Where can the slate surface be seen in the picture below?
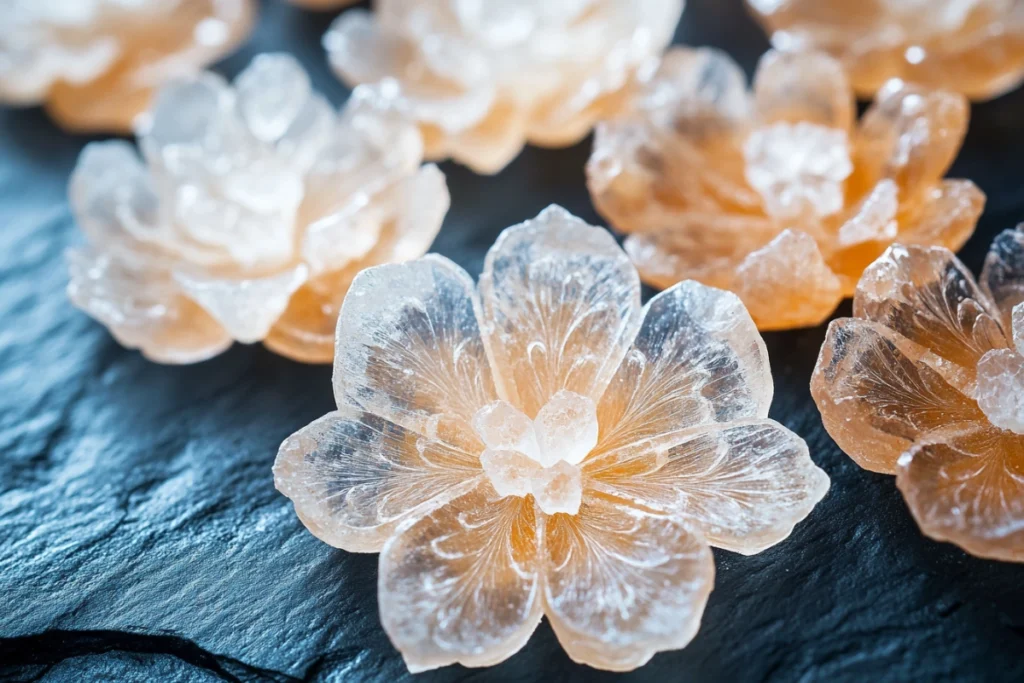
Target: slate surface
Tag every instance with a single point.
(141, 538)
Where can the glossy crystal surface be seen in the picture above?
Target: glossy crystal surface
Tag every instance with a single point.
(248, 213)
(484, 77)
(974, 47)
(95, 64)
(778, 193)
(542, 445)
(926, 382)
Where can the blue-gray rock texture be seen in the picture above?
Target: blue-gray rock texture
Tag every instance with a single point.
(141, 538)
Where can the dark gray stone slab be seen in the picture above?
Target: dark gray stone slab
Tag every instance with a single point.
(141, 538)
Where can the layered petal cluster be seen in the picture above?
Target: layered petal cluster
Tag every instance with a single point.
(974, 47)
(779, 194)
(484, 77)
(926, 382)
(96, 63)
(542, 445)
(251, 209)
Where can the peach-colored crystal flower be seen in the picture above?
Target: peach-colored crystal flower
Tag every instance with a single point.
(96, 63)
(974, 47)
(778, 195)
(253, 207)
(541, 445)
(926, 382)
(484, 77)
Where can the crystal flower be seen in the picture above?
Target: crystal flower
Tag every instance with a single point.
(482, 78)
(251, 210)
(975, 47)
(542, 445)
(926, 382)
(778, 195)
(96, 63)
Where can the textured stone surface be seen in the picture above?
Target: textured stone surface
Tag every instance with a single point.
(141, 537)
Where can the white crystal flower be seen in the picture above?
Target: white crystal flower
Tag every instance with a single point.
(542, 445)
(96, 63)
(482, 78)
(253, 207)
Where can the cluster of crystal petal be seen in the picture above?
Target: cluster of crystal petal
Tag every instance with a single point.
(779, 195)
(96, 63)
(927, 382)
(974, 47)
(483, 77)
(251, 210)
(543, 445)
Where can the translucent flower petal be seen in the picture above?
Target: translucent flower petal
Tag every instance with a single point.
(877, 396)
(787, 283)
(363, 50)
(354, 477)
(411, 212)
(247, 308)
(911, 135)
(622, 584)
(803, 87)
(561, 305)
(461, 584)
(142, 307)
(113, 197)
(969, 489)
(947, 216)
(694, 88)
(703, 247)
(927, 296)
(416, 355)
(697, 359)
(272, 91)
(744, 484)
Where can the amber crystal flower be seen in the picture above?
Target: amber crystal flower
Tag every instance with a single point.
(252, 208)
(96, 63)
(778, 195)
(542, 445)
(926, 382)
(483, 78)
(975, 47)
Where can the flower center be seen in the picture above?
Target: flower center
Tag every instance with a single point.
(1000, 390)
(798, 169)
(540, 457)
